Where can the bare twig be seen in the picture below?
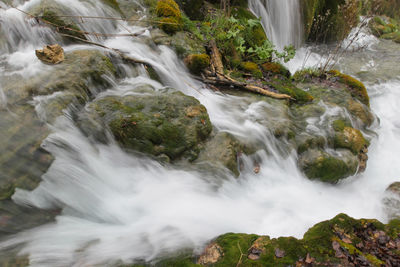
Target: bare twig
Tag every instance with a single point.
(241, 255)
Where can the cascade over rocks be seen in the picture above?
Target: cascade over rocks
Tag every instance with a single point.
(23, 129)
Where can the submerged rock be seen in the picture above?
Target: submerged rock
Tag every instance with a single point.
(222, 150)
(51, 54)
(168, 125)
(391, 201)
(81, 73)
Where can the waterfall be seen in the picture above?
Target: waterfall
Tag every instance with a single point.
(281, 20)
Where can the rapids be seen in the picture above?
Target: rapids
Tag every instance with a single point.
(118, 207)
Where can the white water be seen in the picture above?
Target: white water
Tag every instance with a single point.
(117, 206)
(281, 20)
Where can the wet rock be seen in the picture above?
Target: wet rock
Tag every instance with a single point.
(351, 139)
(320, 165)
(212, 253)
(51, 54)
(322, 245)
(221, 150)
(82, 73)
(391, 200)
(170, 124)
(361, 112)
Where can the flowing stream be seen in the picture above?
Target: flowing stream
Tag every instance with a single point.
(118, 207)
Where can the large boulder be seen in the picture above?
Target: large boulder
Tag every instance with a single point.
(167, 125)
(328, 131)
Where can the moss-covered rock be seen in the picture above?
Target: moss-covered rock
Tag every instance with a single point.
(385, 28)
(169, 125)
(356, 88)
(341, 241)
(361, 112)
(320, 165)
(285, 86)
(276, 68)
(252, 68)
(351, 139)
(196, 63)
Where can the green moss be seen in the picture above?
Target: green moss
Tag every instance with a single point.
(170, 14)
(285, 86)
(356, 88)
(169, 124)
(314, 142)
(306, 75)
(339, 125)
(252, 68)
(233, 245)
(276, 68)
(170, 25)
(328, 169)
(168, 8)
(197, 62)
(350, 138)
(393, 228)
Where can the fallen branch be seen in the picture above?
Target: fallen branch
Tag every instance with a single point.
(120, 53)
(223, 80)
(216, 62)
(241, 255)
(218, 78)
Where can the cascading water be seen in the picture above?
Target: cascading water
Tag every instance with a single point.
(117, 207)
(281, 21)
